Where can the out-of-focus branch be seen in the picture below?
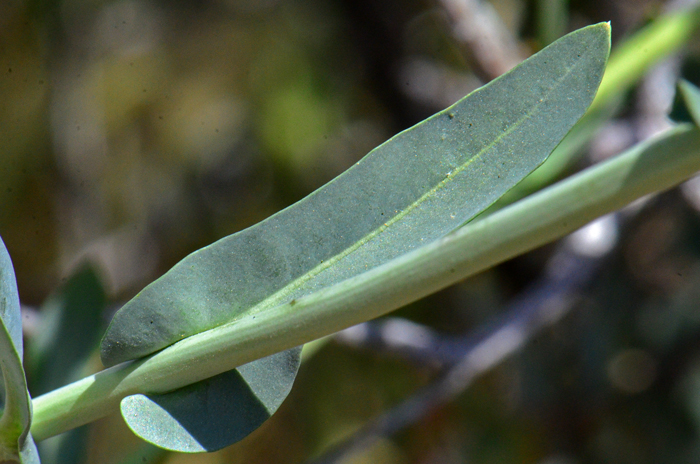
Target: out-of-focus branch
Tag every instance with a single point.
(552, 19)
(549, 299)
(492, 48)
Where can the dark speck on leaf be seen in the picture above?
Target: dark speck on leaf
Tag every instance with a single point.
(292, 303)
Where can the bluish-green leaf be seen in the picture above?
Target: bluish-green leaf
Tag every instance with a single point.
(15, 440)
(410, 191)
(216, 412)
(9, 301)
(413, 189)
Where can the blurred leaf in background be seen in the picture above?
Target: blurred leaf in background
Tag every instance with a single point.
(70, 326)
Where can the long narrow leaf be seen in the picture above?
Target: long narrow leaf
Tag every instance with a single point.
(406, 193)
(410, 191)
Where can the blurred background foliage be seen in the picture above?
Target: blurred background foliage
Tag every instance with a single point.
(133, 132)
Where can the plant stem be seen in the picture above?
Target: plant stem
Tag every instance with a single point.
(523, 226)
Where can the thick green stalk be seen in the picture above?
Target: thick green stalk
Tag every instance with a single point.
(532, 222)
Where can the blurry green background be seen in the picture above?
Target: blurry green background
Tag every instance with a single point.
(133, 132)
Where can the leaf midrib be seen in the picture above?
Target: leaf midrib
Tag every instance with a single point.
(281, 296)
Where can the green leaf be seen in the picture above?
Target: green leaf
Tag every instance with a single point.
(408, 192)
(413, 189)
(9, 301)
(686, 105)
(16, 442)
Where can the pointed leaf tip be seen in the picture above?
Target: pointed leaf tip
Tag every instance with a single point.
(411, 190)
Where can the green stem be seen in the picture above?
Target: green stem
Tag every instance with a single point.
(532, 222)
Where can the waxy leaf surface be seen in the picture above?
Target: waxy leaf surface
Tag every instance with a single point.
(411, 190)
(215, 412)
